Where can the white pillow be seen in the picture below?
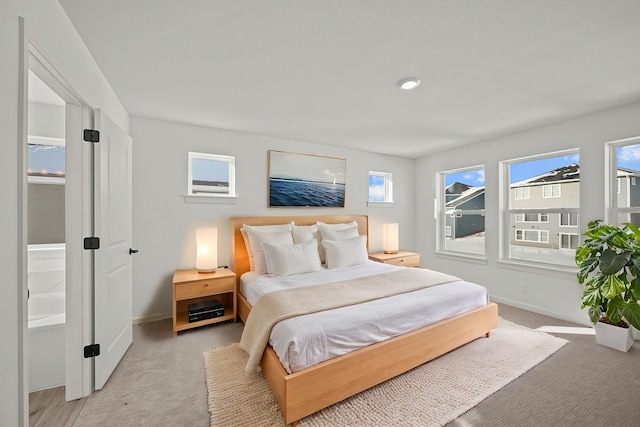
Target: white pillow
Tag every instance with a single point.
(346, 253)
(285, 260)
(247, 243)
(304, 233)
(339, 231)
(347, 233)
(339, 226)
(256, 238)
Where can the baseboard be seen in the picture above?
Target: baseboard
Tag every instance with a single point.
(152, 318)
(539, 310)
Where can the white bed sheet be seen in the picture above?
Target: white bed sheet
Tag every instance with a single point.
(303, 341)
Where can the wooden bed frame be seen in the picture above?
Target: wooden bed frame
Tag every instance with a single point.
(310, 390)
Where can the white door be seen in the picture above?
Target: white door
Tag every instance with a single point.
(113, 306)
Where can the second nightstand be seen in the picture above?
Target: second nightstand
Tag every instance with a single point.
(403, 258)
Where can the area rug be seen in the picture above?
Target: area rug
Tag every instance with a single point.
(431, 395)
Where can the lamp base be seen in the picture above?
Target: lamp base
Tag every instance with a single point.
(208, 271)
(390, 252)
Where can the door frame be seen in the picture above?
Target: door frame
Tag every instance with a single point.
(78, 224)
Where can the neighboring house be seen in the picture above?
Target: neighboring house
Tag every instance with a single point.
(458, 224)
(628, 194)
(553, 190)
(455, 190)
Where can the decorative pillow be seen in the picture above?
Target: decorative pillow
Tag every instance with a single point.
(256, 238)
(339, 231)
(247, 243)
(346, 253)
(304, 233)
(285, 260)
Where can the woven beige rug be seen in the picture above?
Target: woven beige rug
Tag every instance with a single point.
(430, 395)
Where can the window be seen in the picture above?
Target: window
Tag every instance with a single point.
(552, 198)
(461, 211)
(568, 219)
(380, 187)
(45, 160)
(541, 236)
(551, 191)
(569, 241)
(623, 169)
(532, 217)
(522, 193)
(211, 175)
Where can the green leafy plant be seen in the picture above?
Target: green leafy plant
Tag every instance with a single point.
(609, 268)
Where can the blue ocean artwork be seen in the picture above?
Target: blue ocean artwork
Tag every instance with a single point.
(290, 192)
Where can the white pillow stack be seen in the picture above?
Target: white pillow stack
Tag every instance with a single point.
(287, 249)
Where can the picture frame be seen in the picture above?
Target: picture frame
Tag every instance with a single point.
(306, 180)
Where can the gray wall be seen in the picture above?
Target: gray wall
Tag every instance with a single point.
(164, 225)
(555, 293)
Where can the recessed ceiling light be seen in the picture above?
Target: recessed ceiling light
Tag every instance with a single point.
(409, 83)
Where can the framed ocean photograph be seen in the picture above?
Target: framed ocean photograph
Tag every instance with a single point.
(306, 180)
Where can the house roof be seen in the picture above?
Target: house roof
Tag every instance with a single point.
(467, 195)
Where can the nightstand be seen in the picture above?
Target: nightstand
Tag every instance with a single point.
(403, 258)
(190, 287)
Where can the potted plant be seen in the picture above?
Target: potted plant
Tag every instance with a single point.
(609, 268)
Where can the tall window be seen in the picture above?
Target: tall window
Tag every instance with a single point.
(211, 175)
(624, 169)
(461, 211)
(380, 187)
(543, 226)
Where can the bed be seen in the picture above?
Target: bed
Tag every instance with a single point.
(313, 388)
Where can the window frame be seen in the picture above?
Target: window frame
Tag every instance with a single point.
(569, 215)
(388, 187)
(230, 160)
(551, 187)
(560, 235)
(528, 193)
(441, 212)
(507, 255)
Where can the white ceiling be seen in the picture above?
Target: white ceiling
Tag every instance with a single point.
(327, 71)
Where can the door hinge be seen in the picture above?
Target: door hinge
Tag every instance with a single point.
(91, 243)
(91, 135)
(92, 350)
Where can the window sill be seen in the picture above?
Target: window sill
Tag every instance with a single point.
(460, 256)
(223, 200)
(379, 204)
(563, 271)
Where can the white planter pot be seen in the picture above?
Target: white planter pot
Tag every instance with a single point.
(614, 336)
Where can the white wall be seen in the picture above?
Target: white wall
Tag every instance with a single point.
(555, 294)
(164, 225)
(50, 29)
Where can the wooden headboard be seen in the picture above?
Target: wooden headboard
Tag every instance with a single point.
(240, 255)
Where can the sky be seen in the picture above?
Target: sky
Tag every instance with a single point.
(210, 170)
(376, 188)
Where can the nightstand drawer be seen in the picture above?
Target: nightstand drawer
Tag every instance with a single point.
(205, 287)
(405, 261)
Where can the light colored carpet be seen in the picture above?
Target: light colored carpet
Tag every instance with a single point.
(430, 395)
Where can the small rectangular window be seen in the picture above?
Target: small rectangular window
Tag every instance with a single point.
(46, 160)
(569, 219)
(551, 191)
(625, 202)
(569, 241)
(522, 193)
(211, 175)
(380, 187)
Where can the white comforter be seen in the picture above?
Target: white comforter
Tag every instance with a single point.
(306, 340)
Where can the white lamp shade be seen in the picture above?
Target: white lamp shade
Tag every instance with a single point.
(207, 250)
(390, 238)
